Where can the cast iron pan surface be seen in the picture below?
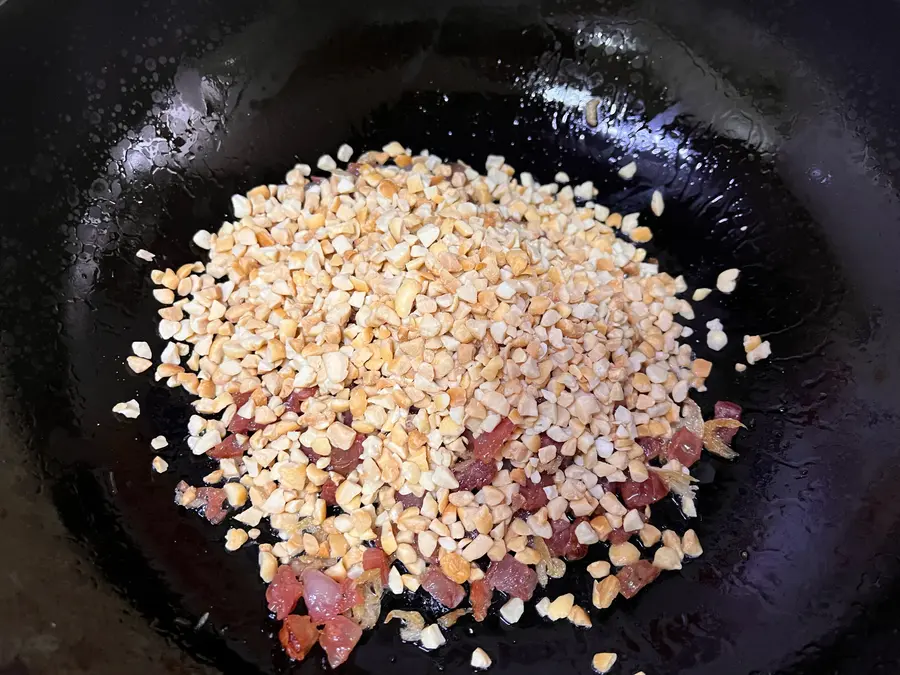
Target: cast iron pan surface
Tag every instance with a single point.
(770, 130)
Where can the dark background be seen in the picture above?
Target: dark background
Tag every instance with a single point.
(771, 127)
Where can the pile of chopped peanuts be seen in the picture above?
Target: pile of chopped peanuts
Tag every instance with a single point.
(353, 338)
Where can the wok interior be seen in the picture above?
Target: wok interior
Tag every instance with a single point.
(274, 89)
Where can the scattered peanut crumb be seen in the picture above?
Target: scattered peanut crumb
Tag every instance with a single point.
(235, 538)
(740, 367)
(141, 349)
(700, 294)
(561, 177)
(268, 564)
(603, 662)
(726, 282)
(560, 608)
(666, 558)
(716, 340)
(160, 465)
(344, 153)
(203, 239)
(599, 569)
(144, 254)
(480, 659)
(512, 611)
(578, 617)
(628, 171)
(137, 364)
(605, 591)
(130, 409)
(590, 112)
(395, 582)
(757, 350)
(751, 342)
(585, 190)
(325, 163)
(690, 544)
(158, 442)
(657, 205)
(431, 637)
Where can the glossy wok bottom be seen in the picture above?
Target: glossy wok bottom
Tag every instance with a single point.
(134, 124)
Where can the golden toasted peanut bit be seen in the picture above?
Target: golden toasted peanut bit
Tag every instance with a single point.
(690, 544)
(641, 234)
(455, 567)
(603, 662)
(560, 608)
(604, 592)
(235, 538)
(579, 617)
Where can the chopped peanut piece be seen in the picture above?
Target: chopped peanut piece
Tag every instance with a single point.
(726, 282)
(235, 538)
(480, 659)
(512, 611)
(603, 662)
(627, 172)
(579, 617)
(599, 569)
(560, 608)
(667, 558)
(690, 544)
(605, 591)
(130, 409)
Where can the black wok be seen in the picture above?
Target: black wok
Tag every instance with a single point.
(771, 128)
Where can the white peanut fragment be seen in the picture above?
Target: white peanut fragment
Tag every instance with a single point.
(344, 153)
(130, 409)
(599, 569)
(760, 352)
(137, 364)
(395, 582)
(141, 349)
(512, 610)
(627, 172)
(666, 558)
(623, 554)
(431, 637)
(480, 660)
(726, 282)
(657, 205)
(716, 340)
